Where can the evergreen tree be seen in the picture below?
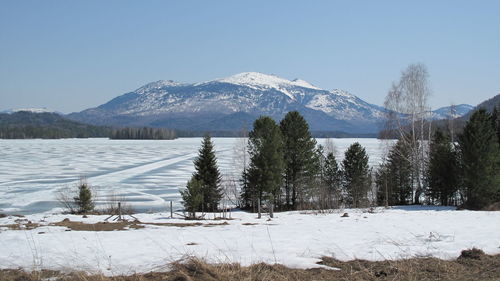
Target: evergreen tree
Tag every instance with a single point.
(479, 161)
(394, 178)
(300, 157)
(207, 172)
(265, 146)
(443, 170)
(84, 200)
(356, 176)
(495, 118)
(192, 196)
(384, 192)
(333, 179)
(246, 193)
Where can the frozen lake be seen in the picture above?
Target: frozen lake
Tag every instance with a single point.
(147, 174)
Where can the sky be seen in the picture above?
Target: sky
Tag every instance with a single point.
(72, 55)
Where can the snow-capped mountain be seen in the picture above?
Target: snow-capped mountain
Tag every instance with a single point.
(454, 111)
(232, 102)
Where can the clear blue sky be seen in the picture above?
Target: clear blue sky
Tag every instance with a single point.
(72, 55)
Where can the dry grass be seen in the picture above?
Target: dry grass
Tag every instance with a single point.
(480, 267)
(100, 226)
(20, 224)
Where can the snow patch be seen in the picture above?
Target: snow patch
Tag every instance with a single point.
(33, 110)
(258, 80)
(294, 239)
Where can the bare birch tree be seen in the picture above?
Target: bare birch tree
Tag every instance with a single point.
(407, 112)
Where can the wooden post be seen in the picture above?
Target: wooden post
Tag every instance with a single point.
(171, 211)
(271, 210)
(119, 211)
(258, 208)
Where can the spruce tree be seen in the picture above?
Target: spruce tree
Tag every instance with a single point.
(265, 147)
(384, 188)
(333, 179)
(442, 177)
(300, 156)
(192, 196)
(393, 178)
(207, 172)
(479, 161)
(356, 175)
(84, 200)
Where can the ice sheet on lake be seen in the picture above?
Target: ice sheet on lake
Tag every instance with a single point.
(147, 174)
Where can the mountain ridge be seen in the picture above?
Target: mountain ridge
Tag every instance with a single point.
(221, 103)
(163, 102)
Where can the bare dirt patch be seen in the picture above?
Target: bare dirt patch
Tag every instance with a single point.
(100, 226)
(103, 226)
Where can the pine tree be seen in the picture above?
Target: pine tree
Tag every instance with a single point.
(265, 146)
(84, 200)
(443, 170)
(479, 161)
(356, 175)
(300, 157)
(207, 172)
(192, 196)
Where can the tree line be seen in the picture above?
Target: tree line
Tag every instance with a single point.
(47, 125)
(145, 133)
(288, 170)
(437, 165)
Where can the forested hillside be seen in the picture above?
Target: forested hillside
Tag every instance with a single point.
(46, 125)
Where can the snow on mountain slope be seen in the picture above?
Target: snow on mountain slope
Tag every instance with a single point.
(252, 93)
(343, 105)
(158, 85)
(262, 81)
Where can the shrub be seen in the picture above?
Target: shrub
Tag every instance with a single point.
(79, 200)
(473, 253)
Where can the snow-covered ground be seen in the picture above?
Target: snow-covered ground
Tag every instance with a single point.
(146, 174)
(294, 239)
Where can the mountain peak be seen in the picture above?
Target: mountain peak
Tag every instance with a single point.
(261, 80)
(158, 84)
(303, 83)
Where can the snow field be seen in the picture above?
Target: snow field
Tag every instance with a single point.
(295, 239)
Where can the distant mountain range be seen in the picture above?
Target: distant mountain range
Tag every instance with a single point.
(231, 103)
